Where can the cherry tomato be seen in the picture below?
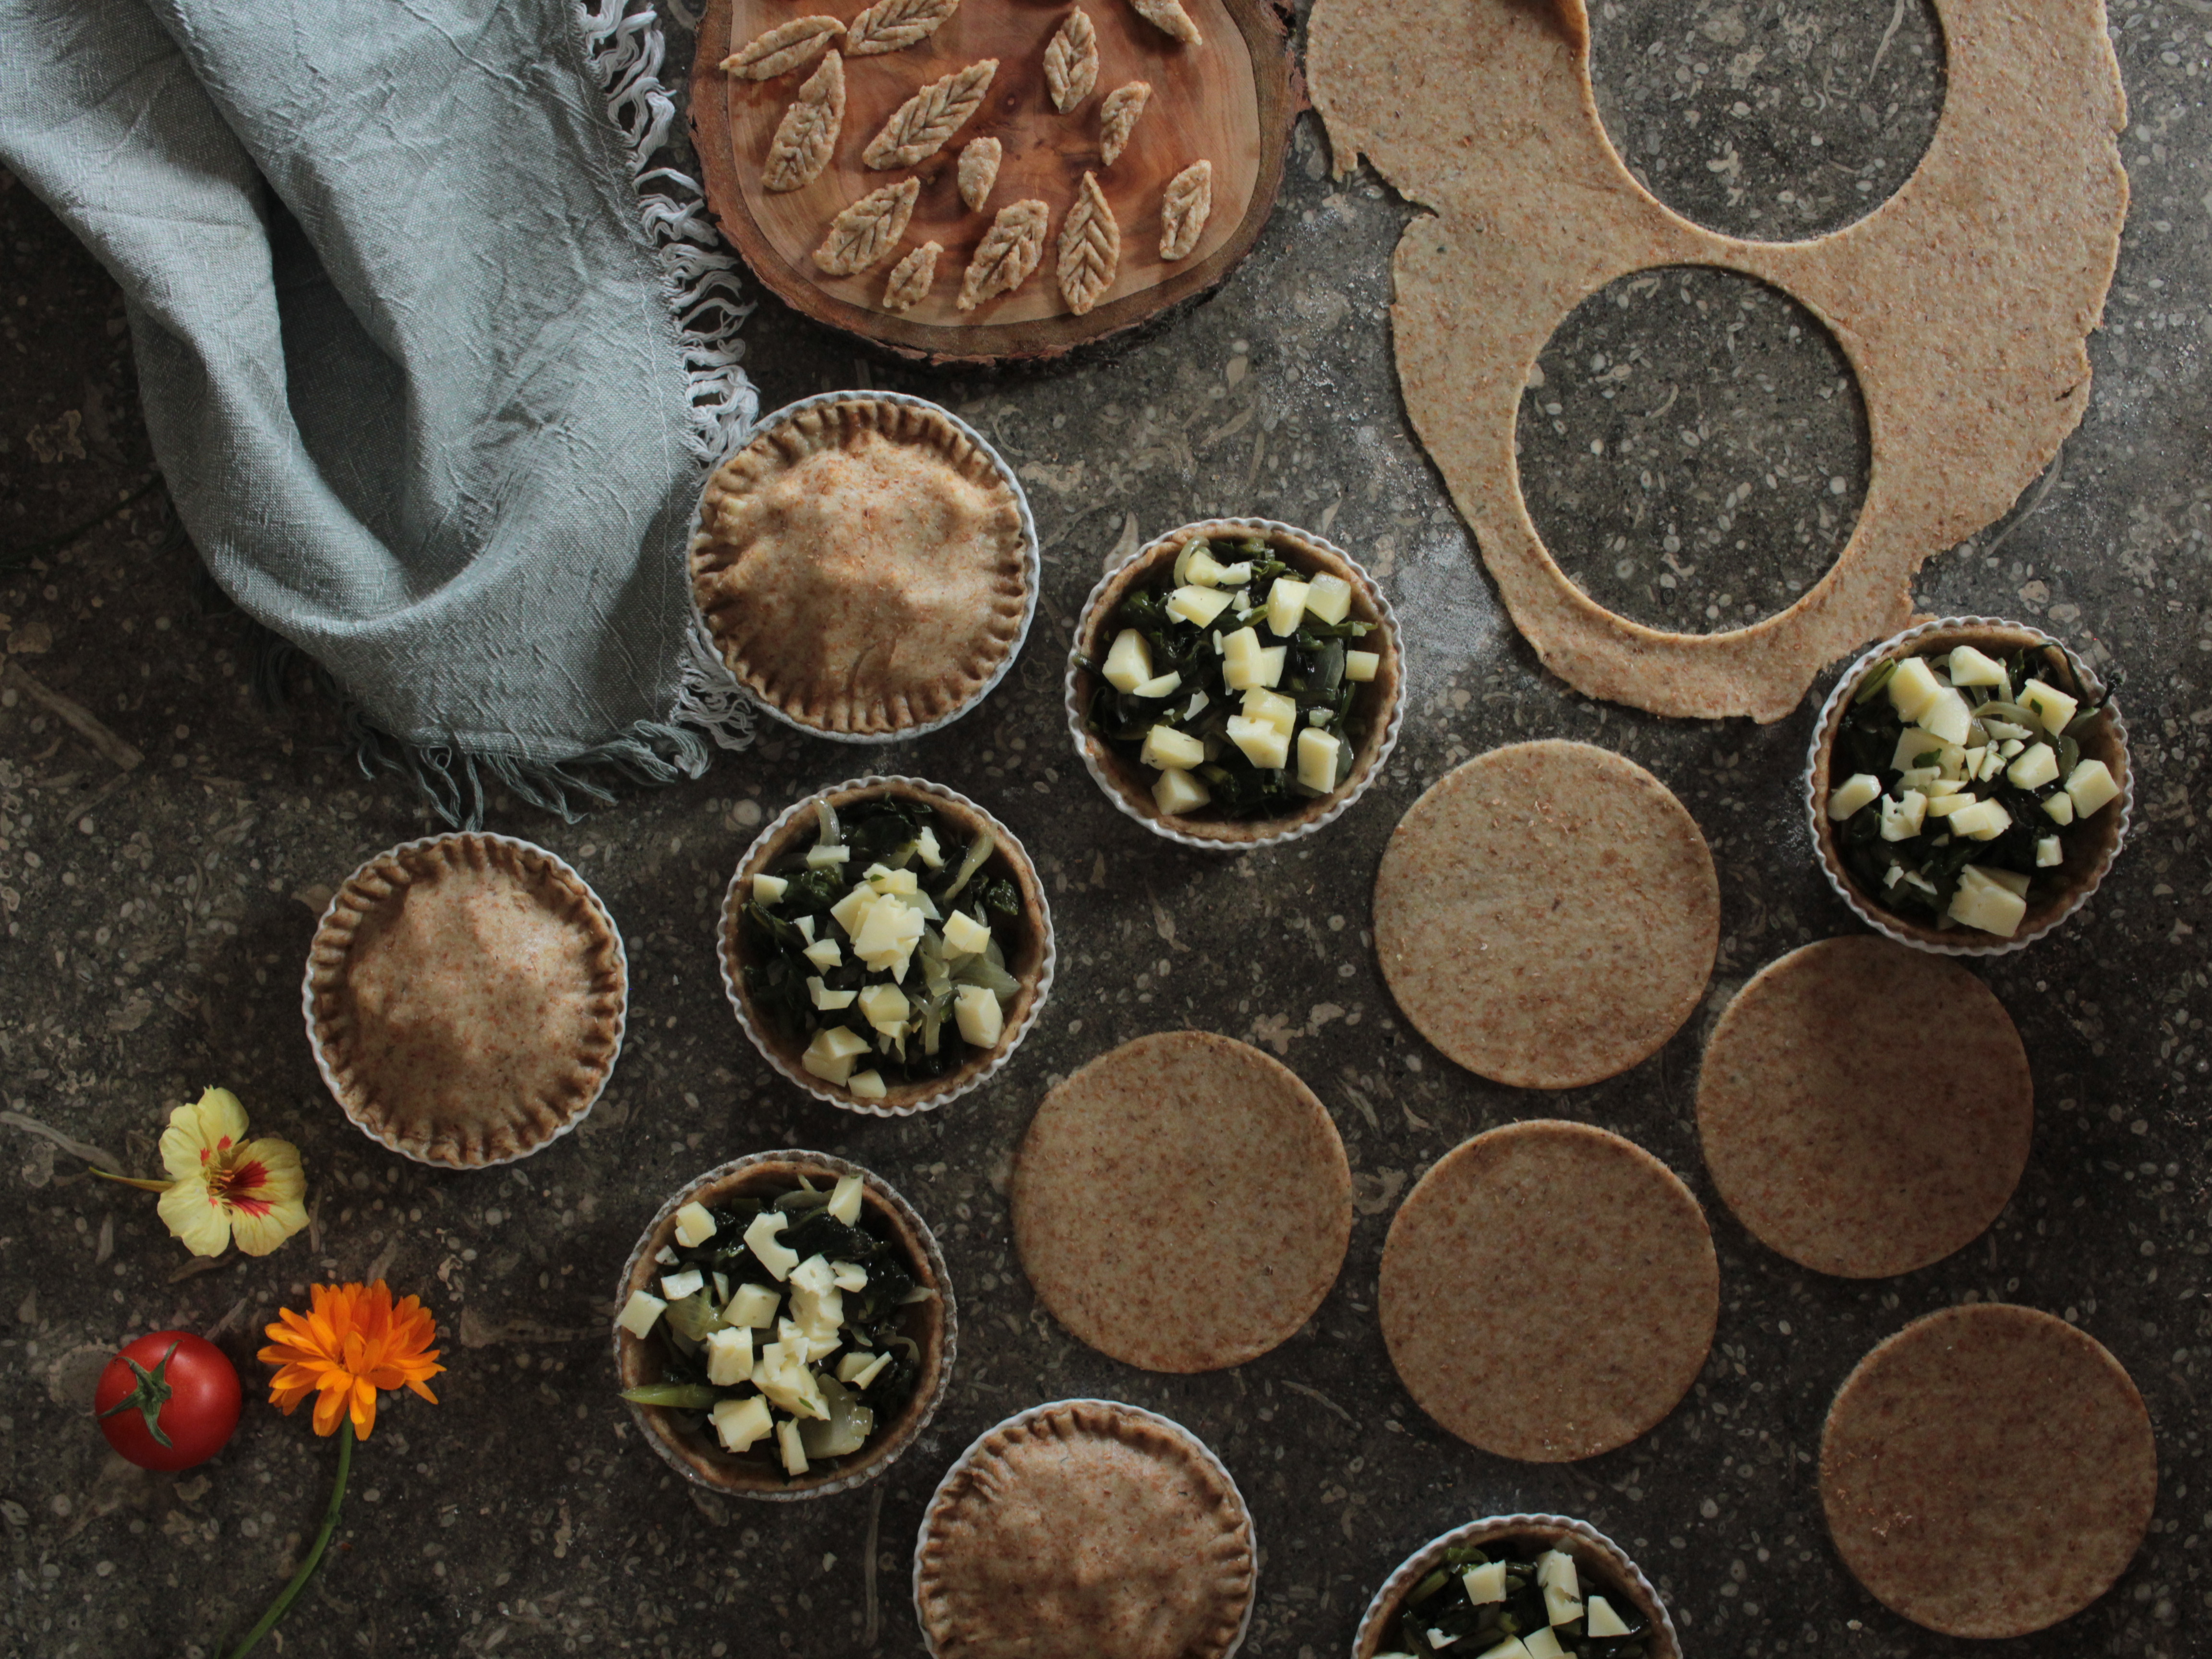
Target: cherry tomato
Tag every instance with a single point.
(168, 1401)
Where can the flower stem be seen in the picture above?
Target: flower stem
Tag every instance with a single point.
(290, 1593)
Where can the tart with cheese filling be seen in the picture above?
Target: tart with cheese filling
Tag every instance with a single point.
(864, 566)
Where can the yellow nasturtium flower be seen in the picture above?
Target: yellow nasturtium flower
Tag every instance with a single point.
(223, 1186)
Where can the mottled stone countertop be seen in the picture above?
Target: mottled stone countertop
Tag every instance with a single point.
(156, 919)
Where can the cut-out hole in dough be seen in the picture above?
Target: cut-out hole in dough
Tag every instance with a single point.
(1763, 118)
(1693, 449)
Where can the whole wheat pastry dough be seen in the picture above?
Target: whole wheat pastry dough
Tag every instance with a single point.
(893, 25)
(1988, 1471)
(1170, 19)
(920, 126)
(1007, 254)
(867, 230)
(1117, 118)
(908, 283)
(1185, 206)
(1089, 248)
(979, 170)
(808, 132)
(1962, 302)
(1070, 61)
(783, 48)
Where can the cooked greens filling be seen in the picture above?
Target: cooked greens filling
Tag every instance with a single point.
(1236, 682)
(1513, 1600)
(777, 1321)
(880, 946)
(1955, 779)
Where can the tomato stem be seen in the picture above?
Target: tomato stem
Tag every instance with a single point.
(152, 1394)
(290, 1593)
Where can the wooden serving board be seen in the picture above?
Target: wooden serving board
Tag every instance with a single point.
(1229, 100)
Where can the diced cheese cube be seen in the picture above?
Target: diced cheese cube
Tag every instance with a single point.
(855, 1362)
(1198, 565)
(1272, 659)
(2033, 767)
(787, 1442)
(1176, 791)
(1985, 820)
(1161, 685)
(766, 890)
(695, 1224)
(639, 1313)
(1603, 1621)
(824, 953)
(721, 1286)
(1241, 659)
(1913, 743)
(867, 1085)
(845, 1200)
(2090, 786)
(1263, 745)
(1937, 788)
(1919, 777)
(761, 1231)
(1328, 598)
(1164, 747)
(823, 858)
(888, 935)
(1485, 1583)
(826, 999)
(965, 936)
(779, 1372)
(806, 925)
(740, 1424)
(818, 1306)
(1949, 716)
(1196, 706)
(1903, 819)
(1993, 760)
(850, 911)
(868, 1374)
(1261, 704)
(730, 1356)
(1234, 575)
(674, 1287)
(926, 848)
(1912, 688)
(1972, 668)
(1511, 1648)
(666, 1257)
(754, 1305)
(849, 1275)
(1199, 605)
(2005, 730)
(2059, 808)
(1317, 752)
(1859, 790)
(2012, 881)
(1943, 806)
(1985, 904)
(2048, 704)
(894, 884)
(1286, 606)
(885, 1008)
(982, 1020)
(1128, 660)
(1361, 665)
(1542, 1644)
(2013, 748)
(1559, 1606)
(2048, 852)
(1557, 1567)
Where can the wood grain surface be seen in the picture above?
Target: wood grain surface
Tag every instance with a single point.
(1229, 100)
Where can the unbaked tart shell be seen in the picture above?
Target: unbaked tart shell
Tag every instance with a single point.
(862, 566)
(465, 997)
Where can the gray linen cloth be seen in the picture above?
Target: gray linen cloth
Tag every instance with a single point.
(408, 345)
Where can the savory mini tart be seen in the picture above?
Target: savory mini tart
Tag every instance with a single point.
(1518, 1587)
(464, 997)
(865, 566)
(886, 944)
(785, 1327)
(1968, 786)
(1085, 1529)
(1235, 683)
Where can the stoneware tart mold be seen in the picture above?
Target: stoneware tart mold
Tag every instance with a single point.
(933, 1325)
(1085, 1529)
(2091, 846)
(1128, 785)
(500, 1037)
(820, 575)
(1600, 1563)
(1031, 962)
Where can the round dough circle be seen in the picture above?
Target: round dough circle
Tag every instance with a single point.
(1988, 1471)
(1182, 1203)
(1824, 1148)
(1547, 914)
(1549, 1291)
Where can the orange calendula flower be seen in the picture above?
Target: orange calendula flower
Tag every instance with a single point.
(355, 1341)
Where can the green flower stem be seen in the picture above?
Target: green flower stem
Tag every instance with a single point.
(290, 1593)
